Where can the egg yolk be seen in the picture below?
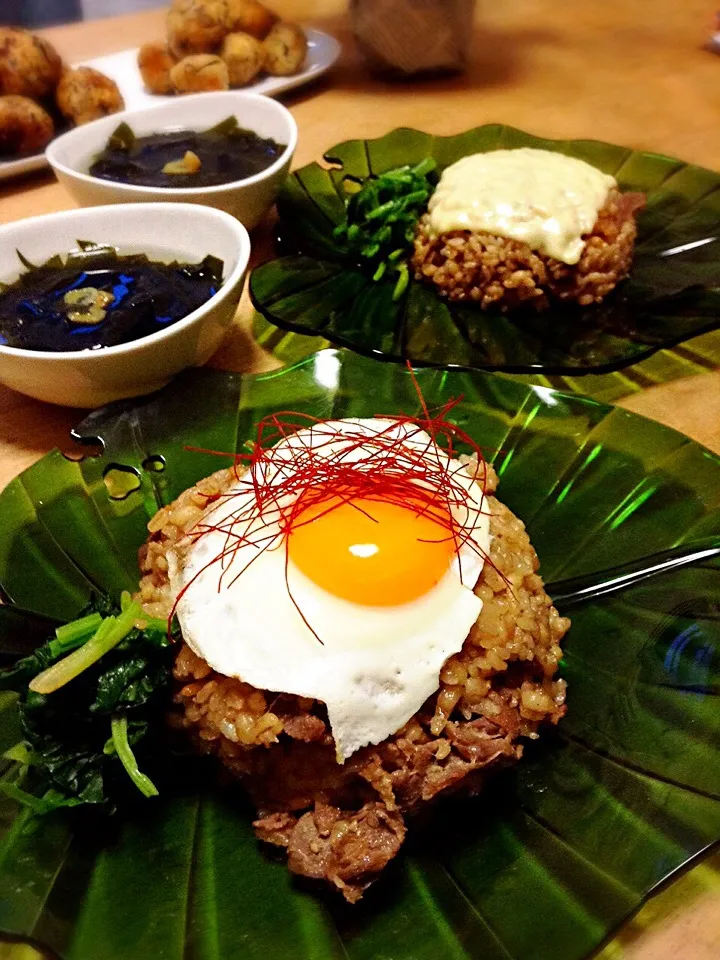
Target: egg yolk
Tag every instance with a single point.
(372, 552)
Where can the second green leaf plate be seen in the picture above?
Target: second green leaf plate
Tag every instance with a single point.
(671, 296)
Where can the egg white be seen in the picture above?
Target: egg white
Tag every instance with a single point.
(373, 667)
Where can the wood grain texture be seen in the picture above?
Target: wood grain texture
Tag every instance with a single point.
(629, 73)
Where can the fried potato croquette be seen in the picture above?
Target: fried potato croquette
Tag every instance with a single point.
(249, 16)
(196, 26)
(285, 49)
(25, 127)
(218, 44)
(198, 73)
(29, 65)
(155, 62)
(84, 94)
(244, 57)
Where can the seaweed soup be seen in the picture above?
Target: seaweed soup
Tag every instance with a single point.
(93, 297)
(185, 159)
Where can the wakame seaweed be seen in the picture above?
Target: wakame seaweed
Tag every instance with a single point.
(94, 297)
(223, 154)
(84, 739)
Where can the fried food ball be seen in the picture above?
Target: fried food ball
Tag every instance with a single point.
(285, 49)
(84, 94)
(244, 57)
(196, 26)
(25, 127)
(249, 16)
(198, 73)
(29, 65)
(155, 62)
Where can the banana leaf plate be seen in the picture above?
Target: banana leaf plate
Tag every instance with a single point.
(671, 297)
(556, 854)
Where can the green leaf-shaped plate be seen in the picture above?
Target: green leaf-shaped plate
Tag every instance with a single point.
(671, 296)
(557, 852)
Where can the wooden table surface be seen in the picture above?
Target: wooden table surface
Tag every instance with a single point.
(627, 72)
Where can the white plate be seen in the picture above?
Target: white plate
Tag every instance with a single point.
(323, 51)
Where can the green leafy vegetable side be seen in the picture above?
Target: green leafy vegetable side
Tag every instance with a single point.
(380, 220)
(90, 698)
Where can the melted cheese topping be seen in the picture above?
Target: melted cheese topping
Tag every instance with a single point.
(544, 199)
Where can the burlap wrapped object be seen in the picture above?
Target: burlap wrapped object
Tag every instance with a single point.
(405, 37)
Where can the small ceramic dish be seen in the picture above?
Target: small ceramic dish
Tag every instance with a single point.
(166, 232)
(71, 155)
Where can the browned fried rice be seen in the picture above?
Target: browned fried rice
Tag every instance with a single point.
(495, 272)
(345, 823)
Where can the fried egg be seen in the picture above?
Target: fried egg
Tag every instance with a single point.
(359, 602)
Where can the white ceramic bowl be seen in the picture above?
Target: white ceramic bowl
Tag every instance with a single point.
(165, 231)
(71, 155)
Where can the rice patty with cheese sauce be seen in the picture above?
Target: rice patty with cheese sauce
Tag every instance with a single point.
(524, 227)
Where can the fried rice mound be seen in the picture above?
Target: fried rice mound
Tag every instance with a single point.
(506, 274)
(344, 823)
